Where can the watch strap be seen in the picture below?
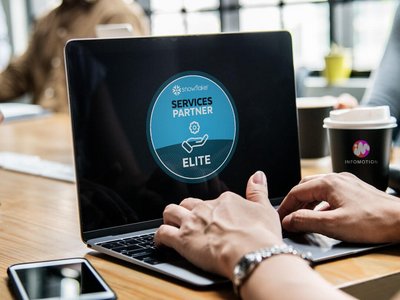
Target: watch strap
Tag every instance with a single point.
(249, 262)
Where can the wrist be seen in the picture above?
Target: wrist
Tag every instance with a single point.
(274, 272)
(231, 253)
(247, 265)
(392, 221)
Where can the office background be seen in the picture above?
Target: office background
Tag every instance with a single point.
(362, 26)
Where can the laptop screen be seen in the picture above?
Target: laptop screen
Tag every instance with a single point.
(159, 119)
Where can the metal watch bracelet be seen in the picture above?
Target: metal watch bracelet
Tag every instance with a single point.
(251, 260)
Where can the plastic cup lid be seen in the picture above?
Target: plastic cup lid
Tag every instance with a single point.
(377, 117)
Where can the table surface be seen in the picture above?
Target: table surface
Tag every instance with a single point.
(39, 221)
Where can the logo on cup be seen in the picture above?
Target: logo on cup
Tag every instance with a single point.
(361, 148)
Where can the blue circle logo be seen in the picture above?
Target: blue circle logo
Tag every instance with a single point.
(192, 127)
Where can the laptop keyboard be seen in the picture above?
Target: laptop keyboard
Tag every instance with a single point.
(142, 247)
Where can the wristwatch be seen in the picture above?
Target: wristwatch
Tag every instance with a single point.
(251, 260)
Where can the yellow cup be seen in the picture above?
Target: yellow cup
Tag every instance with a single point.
(337, 68)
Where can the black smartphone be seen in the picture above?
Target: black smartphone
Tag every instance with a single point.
(73, 278)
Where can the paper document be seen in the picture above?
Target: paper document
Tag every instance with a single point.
(34, 165)
(18, 111)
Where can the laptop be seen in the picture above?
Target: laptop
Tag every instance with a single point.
(159, 119)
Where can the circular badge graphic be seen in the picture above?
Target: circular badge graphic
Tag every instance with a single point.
(361, 148)
(192, 127)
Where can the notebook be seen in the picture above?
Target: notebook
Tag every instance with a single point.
(159, 119)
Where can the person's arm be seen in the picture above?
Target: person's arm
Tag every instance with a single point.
(216, 234)
(385, 88)
(354, 211)
(288, 277)
(16, 80)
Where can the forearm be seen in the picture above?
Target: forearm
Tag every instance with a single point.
(15, 79)
(10, 85)
(287, 277)
(391, 221)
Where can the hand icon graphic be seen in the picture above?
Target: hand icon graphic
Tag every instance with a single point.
(194, 142)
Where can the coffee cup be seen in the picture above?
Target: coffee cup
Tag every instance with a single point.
(360, 140)
(313, 139)
(337, 65)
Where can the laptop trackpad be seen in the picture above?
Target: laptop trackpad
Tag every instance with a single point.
(184, 269)
(324, 248)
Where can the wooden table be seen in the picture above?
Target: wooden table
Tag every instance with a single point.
(39, 221)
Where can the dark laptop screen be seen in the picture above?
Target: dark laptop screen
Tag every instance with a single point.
(159, 119)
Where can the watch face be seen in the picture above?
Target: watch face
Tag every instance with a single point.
(247, 264)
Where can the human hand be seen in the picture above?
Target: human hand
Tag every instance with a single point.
(344, 101)
(215, 234)
(354, 210)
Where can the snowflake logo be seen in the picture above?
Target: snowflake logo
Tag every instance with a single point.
(194, 127)
(176, 90)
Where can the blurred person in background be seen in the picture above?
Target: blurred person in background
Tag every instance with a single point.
(384, 88)
(40, 70)
(5, 49)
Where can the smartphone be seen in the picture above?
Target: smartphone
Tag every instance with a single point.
(73, 278)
